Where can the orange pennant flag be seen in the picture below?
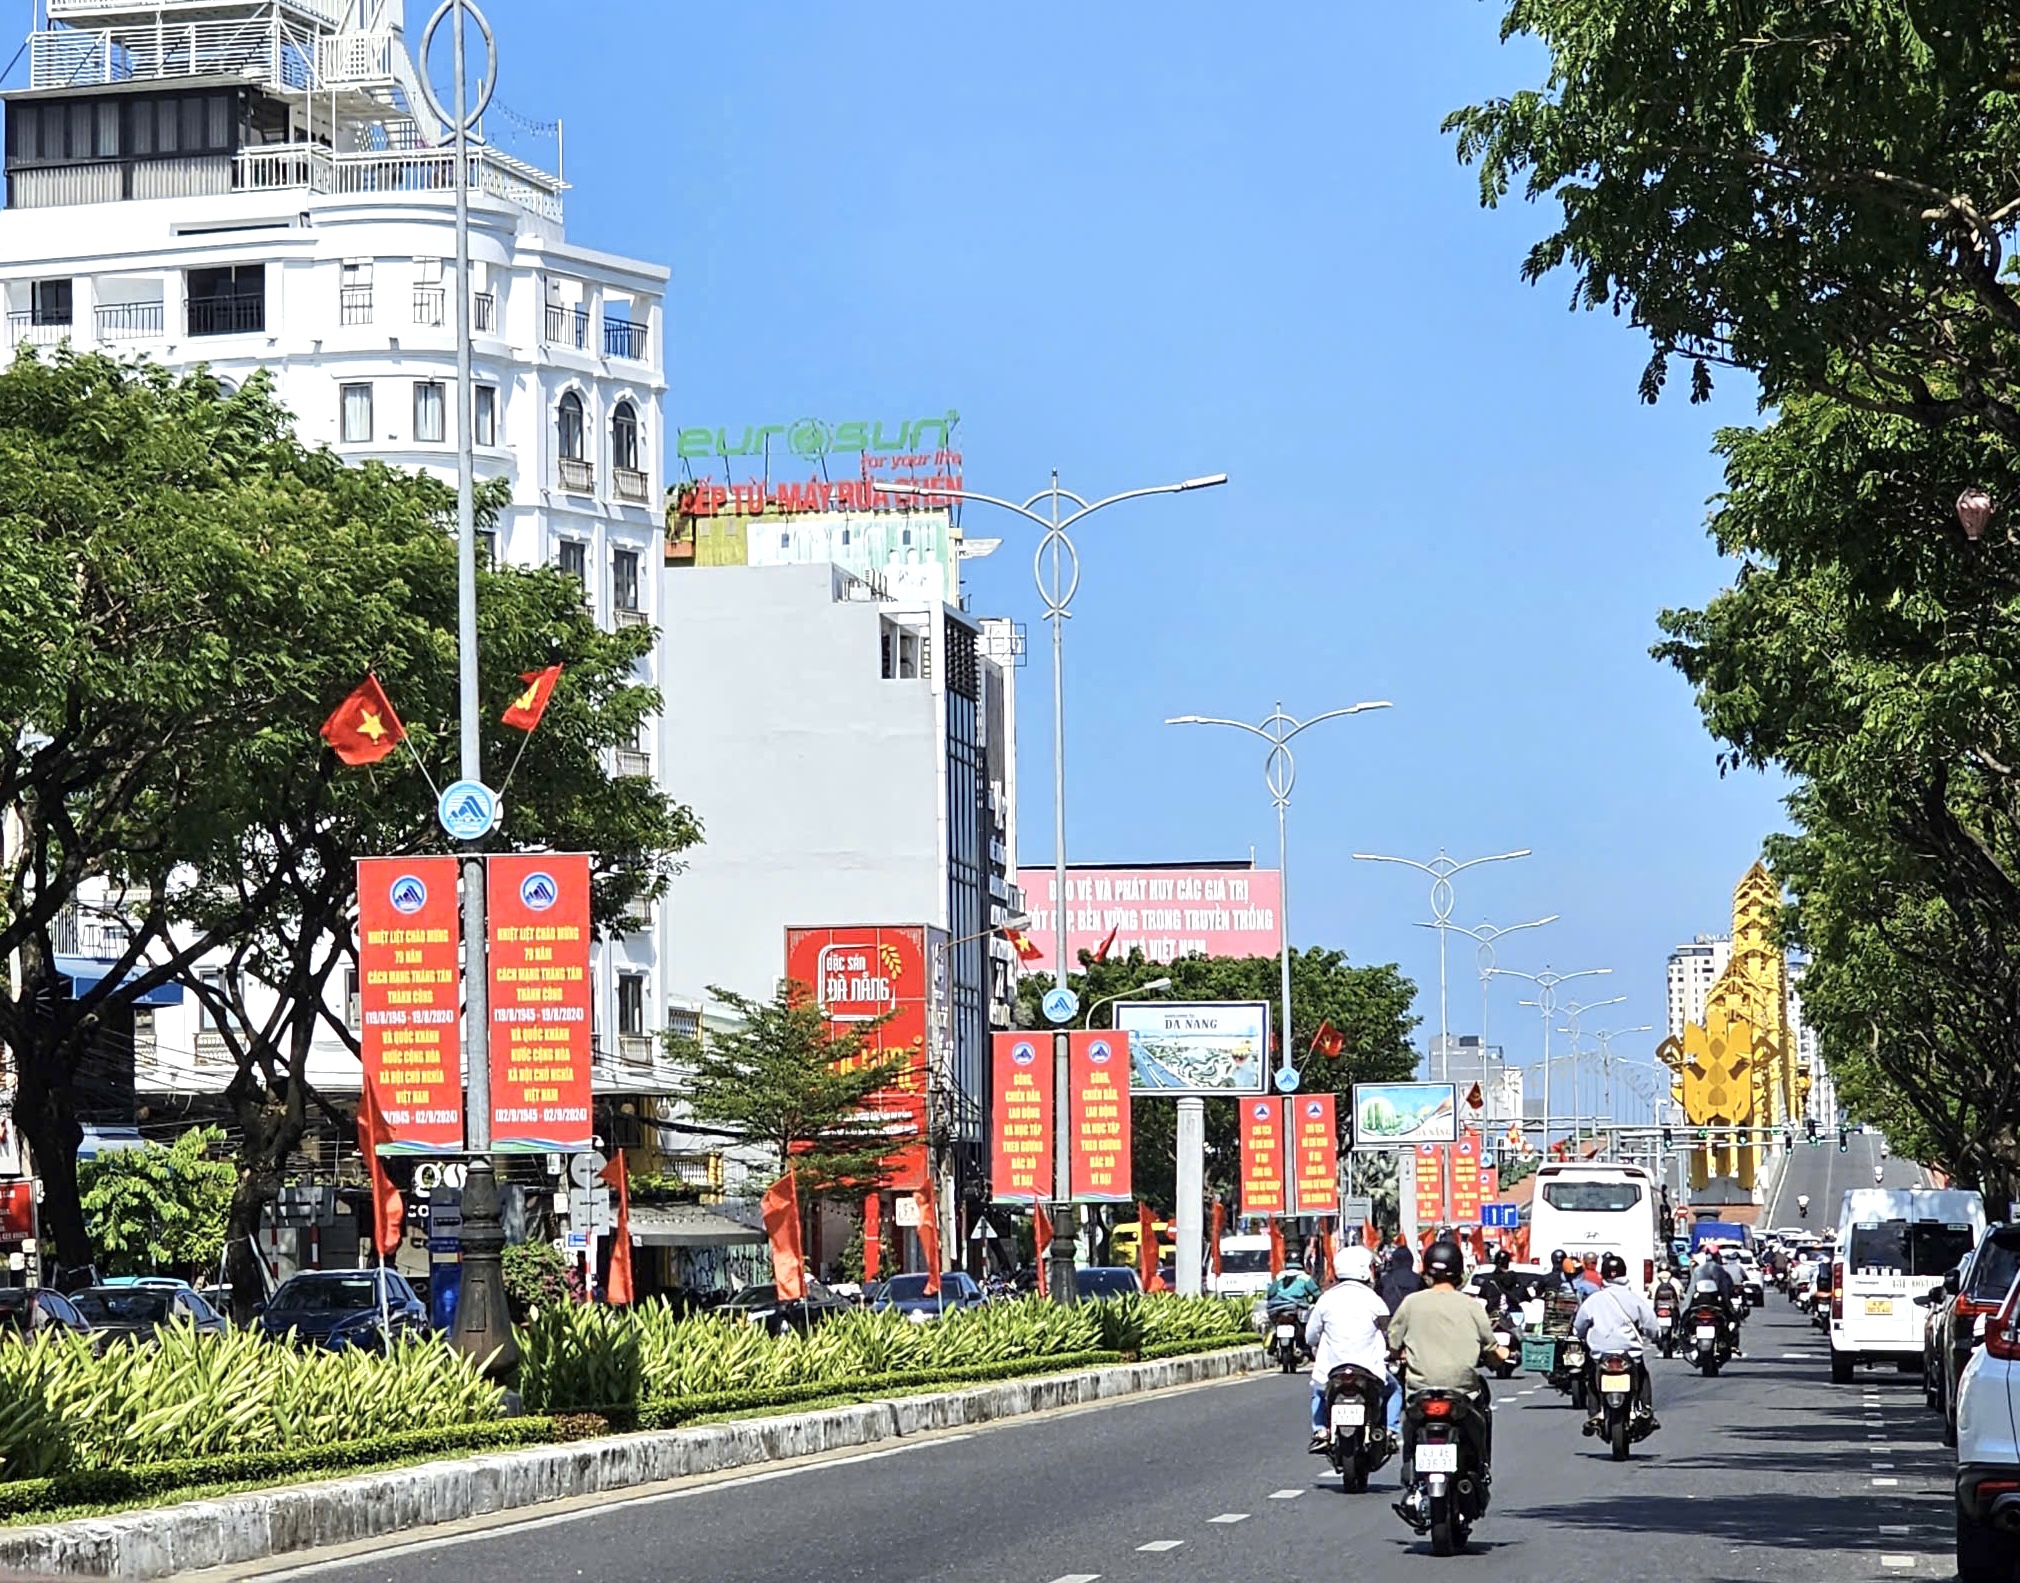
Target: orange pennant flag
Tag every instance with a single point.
(1219, 1226)
(1146, 1249)
(873, 1236)
(782, 1227)
(363, 728)
(1041, 1245)
(929, 1234)
(531, 704)
(1276, 1248)
(388, 1211)
(618, 1288)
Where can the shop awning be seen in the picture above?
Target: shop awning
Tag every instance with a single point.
(689, 1226)
(86, 972)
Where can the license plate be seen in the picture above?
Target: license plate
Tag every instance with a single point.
(1438, 1459)
(1349, 1415)
(1285, 1332)
(1879, 1305)
(1616, 1382)
(1707, 1332)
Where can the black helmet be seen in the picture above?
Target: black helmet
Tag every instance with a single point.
(1502, 1258)
(1613, 1268)
(1556, 1258)
(1444, 1261)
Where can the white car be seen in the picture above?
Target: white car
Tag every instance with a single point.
(1244, 1267)
(1988, 1453)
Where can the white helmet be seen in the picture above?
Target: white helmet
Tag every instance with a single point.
(1354, 1263)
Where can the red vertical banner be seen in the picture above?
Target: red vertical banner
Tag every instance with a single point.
(1490, 1184)
(1020, 1142)
(1466, 1179)
(1098, 1111)
(409, 999)
(1315, 1144)
(538, 915)
(1262, 1156)
(1430, 1184)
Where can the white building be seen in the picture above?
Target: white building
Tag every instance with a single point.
(254, 184)
(1693, 970)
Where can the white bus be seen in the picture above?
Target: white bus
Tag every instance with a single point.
(1596, 1208)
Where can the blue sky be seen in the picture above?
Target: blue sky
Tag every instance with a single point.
(1142, 242)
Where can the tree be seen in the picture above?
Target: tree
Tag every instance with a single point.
(1818, 191)
(782, 1077)
(1370, 1006)
(155, 1210)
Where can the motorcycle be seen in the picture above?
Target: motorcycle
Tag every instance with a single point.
(1620, 1424)
(1287, 1337)
(1665, 1318)
(1360, 1442)
(1570, 1378)
(1711, 1346)
(1450, 1493)
(1508, 1337)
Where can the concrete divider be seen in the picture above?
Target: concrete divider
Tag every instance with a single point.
(162, 1541)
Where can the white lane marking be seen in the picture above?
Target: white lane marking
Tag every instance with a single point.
(1883, 1467)
(1079, 1577)
(1896, 1528)
(1897, 1561)
(1285, 1495)
(1159, 1546)
(1885, 1484)
(1229, 1517)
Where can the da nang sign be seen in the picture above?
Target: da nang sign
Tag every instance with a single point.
(811, 437)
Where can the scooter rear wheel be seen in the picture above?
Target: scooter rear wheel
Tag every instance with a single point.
(1617, 1434)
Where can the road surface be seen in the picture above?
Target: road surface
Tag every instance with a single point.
(1768, 1471)
(1825, 1174)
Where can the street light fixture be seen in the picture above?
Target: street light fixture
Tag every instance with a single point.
(1055, 569)
(1484, 941)
(1442, 869)
(1280, 774)
(1573, 1010)
(1156, 986)
(1547, 983)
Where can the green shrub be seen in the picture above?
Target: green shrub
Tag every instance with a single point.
(537, 1276)
(577, 1356)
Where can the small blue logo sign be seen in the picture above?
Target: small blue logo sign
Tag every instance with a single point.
(1314, 1109)
(1287, 1080)
(408, 895)
(538, 891)
(1061, 1004)
(468, 810)
(1098, 1052)
(1261, 1112)
(1022, 1054)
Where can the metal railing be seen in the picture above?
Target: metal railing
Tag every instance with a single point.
(630, 484)
(632, 761)
(577, 476)
(483, 312)
(635, 1049)
(355, 58)
(267, 49)
(23, 327)
(354, 304)
(565, 326)
(226, 315)
(631, 616)
(376, 172)
(128, 321)
(428, 305)
(282, 165)
(624, 338)
(332, 13)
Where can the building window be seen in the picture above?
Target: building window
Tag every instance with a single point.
(623, 434)
(571, 427)
(357, 422)
(430, 414)
(211, 980)
(575, 559)
(624, 580)
(484, 415)
(487, 546)
(354, 294)
(631, 1004)
(230, 300)
(51, 302)
(353, 1015)
(428, 299)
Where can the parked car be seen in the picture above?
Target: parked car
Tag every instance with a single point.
(342, 1308)
(30, 1310)
(136, 1312)
(907, 1294)
(1107, 1280)
(760, 1305)
(1970, 1297)
(1988, 1452)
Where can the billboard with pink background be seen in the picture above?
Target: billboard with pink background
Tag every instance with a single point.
(1164, 911)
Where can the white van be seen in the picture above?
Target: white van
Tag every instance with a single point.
(1244, 1267)
(1892, 1243)
(1593, 1208)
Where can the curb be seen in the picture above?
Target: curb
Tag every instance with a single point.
(164, 1541)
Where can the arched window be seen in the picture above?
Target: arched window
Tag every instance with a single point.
(624, 437)
(571, 427)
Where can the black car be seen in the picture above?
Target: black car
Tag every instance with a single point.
(135, 1313)
(907, 1294)
(343, 1308)
(1969, 1299)
(1107, 1280)
(30, 1310)
(760, 1305)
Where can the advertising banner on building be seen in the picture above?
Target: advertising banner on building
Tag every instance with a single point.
(1315, 1149)
(1099, 1068)
(409, 1027)
(863, 972)
(1396, 1115)
(1430, 1185)
(1466, 1179)
(1212, 1048)
(1020, 1117)
(537, 907)
(1262, 1157)
(1165, 913)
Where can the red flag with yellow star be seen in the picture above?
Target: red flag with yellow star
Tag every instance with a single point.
(531, 704)
(363, 728)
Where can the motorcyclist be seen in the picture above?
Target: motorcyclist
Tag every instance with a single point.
(1441, 1335)
(1803, 1205)
(1711, 1282)
(1879, 1175)
(1515, 1289)
(1400, 1279)
(1617, 1318)
(1552, 1279)
(1292, 1289)
(1588, 1280)
(1347, 1326)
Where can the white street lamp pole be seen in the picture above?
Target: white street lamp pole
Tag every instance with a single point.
(1057, 582)
(1573, 1010)
(1484, 940)
(1546, 983)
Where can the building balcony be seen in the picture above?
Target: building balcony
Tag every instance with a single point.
(417, 172)
(354, 305)
(631, 484)
(128, 321)
(631, 762)
(429, 305)
(635, 1049)
(624, 338)
(226, 315)
(577, 476)
(565, 326)
(280, 54)
(639, 911)
(26, 329)
(483, 313)
(631, 616)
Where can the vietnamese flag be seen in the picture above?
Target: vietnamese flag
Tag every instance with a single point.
(1101, 951)
(1027, 948)
(781, 1207)
(618, 1288)
(531, 704)
(1328, 1041)
(387, 1209)
(363, 728)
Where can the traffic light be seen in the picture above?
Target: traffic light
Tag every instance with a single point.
(1788, 1139)
(1668, 1137)
(1844, 1141)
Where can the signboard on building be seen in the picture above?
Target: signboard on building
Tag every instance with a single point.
(537, 910)
(858, 973)
(1315, 1149)
(409, 999)
(1020, 1117)
(917, 452)
(1395, 1115)
(1262, 1156)
(1165, 913)
(1099, 1067)
(1213, 1048)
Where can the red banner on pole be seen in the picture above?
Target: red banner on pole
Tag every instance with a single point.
(408, 1000)
(1315, 1142)
(1466, 1180)
(1262, 1156)
(1430, 1184)
(538, 916)
(1490, 1184)
(1020, 1141)
(1099, 1074)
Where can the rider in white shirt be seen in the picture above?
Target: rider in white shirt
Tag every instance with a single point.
(1617, 1318)
(1348, 1325)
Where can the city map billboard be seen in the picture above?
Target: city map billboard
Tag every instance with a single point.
(1212, 1048)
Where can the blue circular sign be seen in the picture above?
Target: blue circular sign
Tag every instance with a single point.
(1098, 1052)
(468, 810)
(1287, 1080)
(1022, 1054)
(407, 894)
(1061, 1004)
(538, 891)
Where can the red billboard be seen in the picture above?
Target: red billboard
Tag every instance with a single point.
(538, 915)
(1020, 1142)
(1430, 1184)
(1315, 1149)
(1165, 913)
(1466, 1180)
(1262, 1156)
(409, 999)
(863, 972)
(1098, 1065)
